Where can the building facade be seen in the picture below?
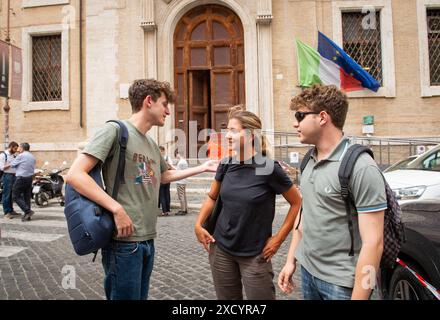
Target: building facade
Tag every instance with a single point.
(79, 58)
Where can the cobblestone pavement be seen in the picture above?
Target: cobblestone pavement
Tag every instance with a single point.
(36, 257)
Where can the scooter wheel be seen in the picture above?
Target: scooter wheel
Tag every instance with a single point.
(41, 200)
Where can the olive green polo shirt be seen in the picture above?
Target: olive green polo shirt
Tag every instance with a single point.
(143, 168)
(325, 244)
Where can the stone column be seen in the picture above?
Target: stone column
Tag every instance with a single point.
(101, 63)
(150, 48)
(265, 79)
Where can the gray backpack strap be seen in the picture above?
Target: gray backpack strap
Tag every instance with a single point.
(302, 166)
(344, 174)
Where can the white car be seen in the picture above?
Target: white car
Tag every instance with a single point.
(420, 179)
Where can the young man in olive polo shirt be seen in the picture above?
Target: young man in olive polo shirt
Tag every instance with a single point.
(128, 260)
(322, 242)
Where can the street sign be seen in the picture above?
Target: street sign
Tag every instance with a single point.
(294, 157)
(421, 149)
(368, 120)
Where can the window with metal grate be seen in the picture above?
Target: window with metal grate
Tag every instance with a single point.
(46, 68)
(433, 18)
(362, 41)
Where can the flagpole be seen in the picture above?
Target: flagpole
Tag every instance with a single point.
(6, 108)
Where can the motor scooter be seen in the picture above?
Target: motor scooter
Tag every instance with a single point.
(49, 186)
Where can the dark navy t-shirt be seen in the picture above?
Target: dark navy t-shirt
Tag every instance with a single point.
(248, 194)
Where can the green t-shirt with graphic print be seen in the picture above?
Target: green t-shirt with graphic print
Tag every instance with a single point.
(143, 167)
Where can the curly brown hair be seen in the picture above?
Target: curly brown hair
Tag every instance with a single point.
(142, 88)
(323, 98)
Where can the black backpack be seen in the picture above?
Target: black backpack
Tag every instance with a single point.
(393, 226)
(90, 226)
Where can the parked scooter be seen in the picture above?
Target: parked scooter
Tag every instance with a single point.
(48, 186)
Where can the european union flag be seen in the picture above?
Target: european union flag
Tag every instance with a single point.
(331, 51)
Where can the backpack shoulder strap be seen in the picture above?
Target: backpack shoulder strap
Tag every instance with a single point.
(302, 166)
(122, 140)
(306, 159)
(347, 165)
(345, 170)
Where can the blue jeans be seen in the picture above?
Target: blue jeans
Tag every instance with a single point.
(317, 289)
(8, 183)
(128, 267)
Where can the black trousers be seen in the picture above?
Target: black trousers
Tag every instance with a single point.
(22, 193)
(165, 197)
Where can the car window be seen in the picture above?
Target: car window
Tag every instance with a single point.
(431, 162)
(401, 164)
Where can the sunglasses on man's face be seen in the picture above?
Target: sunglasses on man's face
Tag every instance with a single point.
(299, 115)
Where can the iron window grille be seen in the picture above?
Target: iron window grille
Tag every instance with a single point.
(46, 68)
(433, 19)
(362, 41)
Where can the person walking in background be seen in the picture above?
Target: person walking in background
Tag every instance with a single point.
(24, 164)
(164, 191)
(182, 164)
(242, 246)
(8, 179)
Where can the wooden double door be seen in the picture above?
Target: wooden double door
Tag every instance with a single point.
(209, 68)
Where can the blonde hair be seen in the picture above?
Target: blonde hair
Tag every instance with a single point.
(251, 122)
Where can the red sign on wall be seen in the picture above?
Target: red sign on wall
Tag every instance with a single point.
(16, 73)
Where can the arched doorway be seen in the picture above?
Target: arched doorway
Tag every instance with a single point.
(208, 67)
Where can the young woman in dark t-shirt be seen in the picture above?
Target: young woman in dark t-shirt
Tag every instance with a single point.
(242, 246)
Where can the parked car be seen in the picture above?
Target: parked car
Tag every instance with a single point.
(417, 274)
(420, 179)
(400, 164)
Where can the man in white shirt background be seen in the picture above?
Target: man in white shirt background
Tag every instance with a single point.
(8, 179)
(182, 164)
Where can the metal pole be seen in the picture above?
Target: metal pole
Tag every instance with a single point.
(6, 108)
(380, 151)
(80, 64)
(389, 153)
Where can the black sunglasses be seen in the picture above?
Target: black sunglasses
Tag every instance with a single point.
(299, 115)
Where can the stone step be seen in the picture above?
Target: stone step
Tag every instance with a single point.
(203, 192)
(280, 207)
(30, 236)
(7, 251)
(197, 182)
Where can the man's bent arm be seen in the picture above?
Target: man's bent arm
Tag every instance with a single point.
(80, 180)
(367, 268)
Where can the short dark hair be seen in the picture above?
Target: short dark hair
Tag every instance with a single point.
(323, 98)
(162, 148)
(12, 144)
(25, 146)
(142, 88)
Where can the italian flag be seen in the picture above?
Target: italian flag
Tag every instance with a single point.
(316, 69)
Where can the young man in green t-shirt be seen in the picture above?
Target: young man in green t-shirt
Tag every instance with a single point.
(128, 260)
(321, 243)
